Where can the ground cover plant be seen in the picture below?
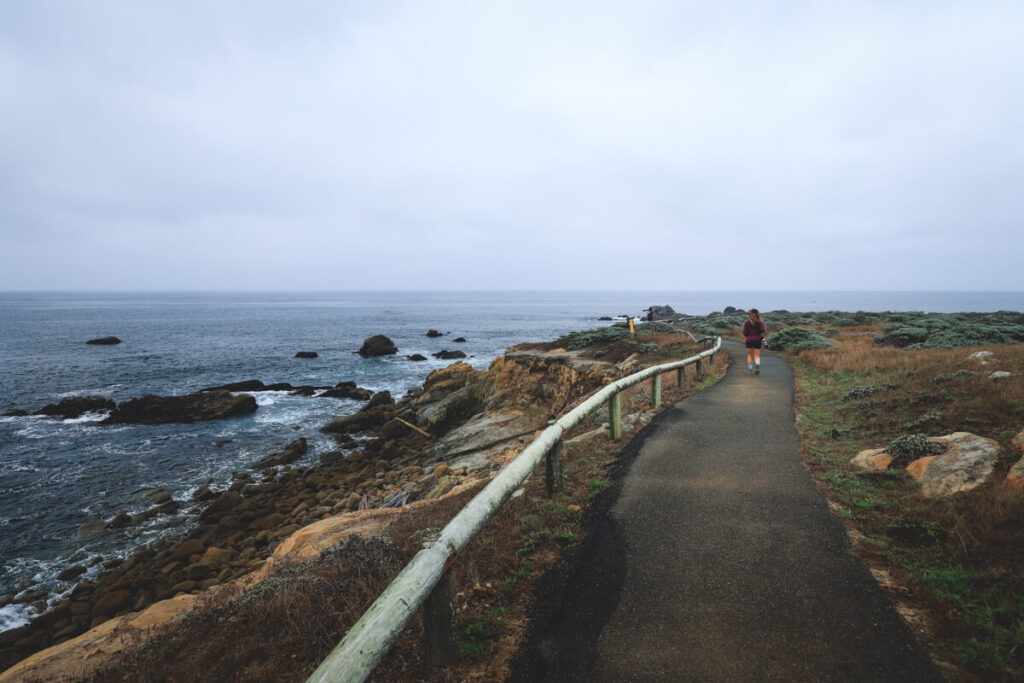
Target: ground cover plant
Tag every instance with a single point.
(954, 566)
(282, 630)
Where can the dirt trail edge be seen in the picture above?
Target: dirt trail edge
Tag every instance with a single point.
(715, 558)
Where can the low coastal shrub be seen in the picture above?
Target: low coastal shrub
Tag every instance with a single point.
(574, 341)
(909, 447)
(858, 393)
(799, 339)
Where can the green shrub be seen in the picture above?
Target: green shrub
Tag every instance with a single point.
(579, 340)
(905, 449)
(858, 393)
(799, 339)
(903, 335)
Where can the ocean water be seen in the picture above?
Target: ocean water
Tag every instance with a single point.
(58, 475)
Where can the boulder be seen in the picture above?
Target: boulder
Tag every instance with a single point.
(112, 603)
(982, 356)
(71, 573)
(381, 398)
(459, 340)
(201, 405)
(306, 354)
(1018, 441)
(416, 357)
(968, 462)
(221, 505)
(120, 520)
(433, 333)
(916, 469)
(378, 345)
(104, 341)
(999, 374)
(1016, 474)
(872, 459)
(292, 452)
(76, 406)
(448, 355)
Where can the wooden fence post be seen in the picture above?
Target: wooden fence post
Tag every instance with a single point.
(439, 623)
(680, 376)
(554, 479)
(615, 416)
(656, 392)
(700, 369)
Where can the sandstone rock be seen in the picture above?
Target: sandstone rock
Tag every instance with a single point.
(224, 503)
(1018, 441)
(104, 341)
(1016, 473)
(203, 493)
(292, 452)
(71, 573)
(872, 459)
(76, 406)
(119, 521)
(112, 603)
(378, 345)
(306, 354)
(186, 549)
(968, 462)
(201, 405)
(916, 469)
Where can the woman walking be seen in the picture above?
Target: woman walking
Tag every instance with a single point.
(754, 330)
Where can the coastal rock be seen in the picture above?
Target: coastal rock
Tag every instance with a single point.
(245, 385)
(76, 406)
(984, 357)
(377, 345)
(222, 504)
(381, 398)
(307, 354)
(968, 462)
(916, 469)
(292, 452)
(416, 357)
(999, 374)
(71, 573)
(433, 333)
(348, 390)
(459, 340)
(120, 520)
(201, 405)
(104, 341)
(448, 355)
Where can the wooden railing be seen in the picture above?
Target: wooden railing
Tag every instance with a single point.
(427, 580)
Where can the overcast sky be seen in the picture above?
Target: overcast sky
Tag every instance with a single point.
(511, 145)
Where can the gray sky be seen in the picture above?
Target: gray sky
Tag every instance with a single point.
(511, 145)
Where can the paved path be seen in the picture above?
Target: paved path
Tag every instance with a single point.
(716, 559)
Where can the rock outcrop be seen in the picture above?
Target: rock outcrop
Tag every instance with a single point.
(195, 407)
(433, 333)
(292, 452)
(377, 345)
(307, 354)
(348, 390)
(77, 406)
(449, 355)
(104, 341)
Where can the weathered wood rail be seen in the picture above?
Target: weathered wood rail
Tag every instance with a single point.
(427, 580)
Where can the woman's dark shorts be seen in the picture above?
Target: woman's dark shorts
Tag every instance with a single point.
(756, 344)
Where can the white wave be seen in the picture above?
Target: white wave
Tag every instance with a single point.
(87, 417)
(13, 616)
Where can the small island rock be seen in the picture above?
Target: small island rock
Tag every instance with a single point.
(378, 345)
(306, 354)
(448, 355)
(104, 341)
(201, 405)
(416, 357)
(433, 333)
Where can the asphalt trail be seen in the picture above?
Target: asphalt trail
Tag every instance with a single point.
(715, 558)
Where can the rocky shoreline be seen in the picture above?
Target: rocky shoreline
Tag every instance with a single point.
(458, 427)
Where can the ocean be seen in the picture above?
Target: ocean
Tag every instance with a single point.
(58, 475)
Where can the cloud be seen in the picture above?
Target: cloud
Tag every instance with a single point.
(509, 145)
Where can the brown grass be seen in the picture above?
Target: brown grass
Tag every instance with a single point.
(960, 559)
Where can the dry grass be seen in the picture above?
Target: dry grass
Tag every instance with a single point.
(961, 559)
